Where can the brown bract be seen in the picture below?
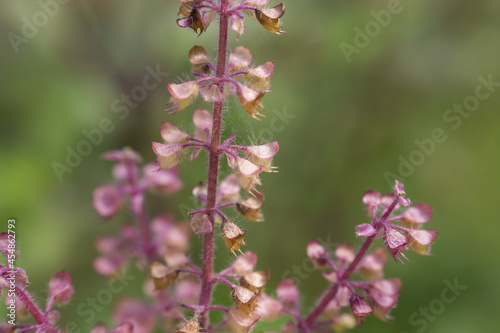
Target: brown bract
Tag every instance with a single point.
(191, 326)
(247, 173)
(240, 321)
(200, 224)
(199, 57)
(255, 281)
(168, 155)
(251, 106)
(163, 276)
(183, 94)
(250, 208)
(258, 78)
(232, 236)
(269, 18)
(263, 155)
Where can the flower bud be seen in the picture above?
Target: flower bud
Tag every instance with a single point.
(60, 287)
(317, 253)
(107, 200)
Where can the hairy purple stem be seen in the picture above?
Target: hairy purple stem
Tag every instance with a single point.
(213, 173)
(33, 308)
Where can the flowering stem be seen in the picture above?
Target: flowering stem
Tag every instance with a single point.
(33, 308)
(148, 246)
(330, 294)
(213, 173)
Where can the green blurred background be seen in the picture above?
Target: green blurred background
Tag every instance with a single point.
(348, 125)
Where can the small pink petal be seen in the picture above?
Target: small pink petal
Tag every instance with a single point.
(211, 93)
(107, 200)
(264, 71)
(109, 265)
(345, 252)
(267, 307)
(171, 133)
(248, 94)
(207, 17)
(240, 57)
(168, 155)
(375, 261)
(365, 230)
(372, 198)
(245, 263)
(317, 253)
(387, 286)
(423, 237)
(344, 295)
(387, 200)
(165, 180)
(265, 151)
(383, 300)
(185, 22)
(399, 190)
(107, 244)
(60, 287)
(418, 213)
(287, 292)
(238, 24)
(421, 240)
(126, 154)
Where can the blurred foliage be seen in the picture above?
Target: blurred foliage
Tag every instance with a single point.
(352, 122)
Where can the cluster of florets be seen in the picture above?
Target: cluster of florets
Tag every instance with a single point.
(246, 289)
(14, 285)
(249, 83)
(346, 302)
(397, 237)
(145, 242)
(198, 14)
(109, 199)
